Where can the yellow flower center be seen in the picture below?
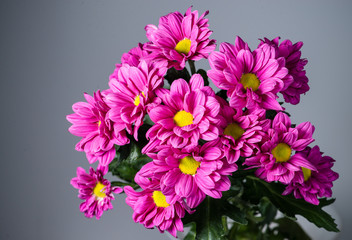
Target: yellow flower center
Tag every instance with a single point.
(306, 173)
(233, 130)
(99, 190)
(250, 80)
(282, 152)
(99, 123)
(160, 199)
(183, 46)
(137, 100)
(188, 165)
(183, 118)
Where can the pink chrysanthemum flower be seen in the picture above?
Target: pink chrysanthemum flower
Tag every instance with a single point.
(152, 209)
(180, 38)
(99, 134)
(134, 57)
(252, 79)
(189, 113)
(191, 174)
(132, 93)
(275, 160)
(95, 190)
(295, 65)
(243, 131)
(314, 184)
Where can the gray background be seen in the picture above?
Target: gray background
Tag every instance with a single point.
(53, 51)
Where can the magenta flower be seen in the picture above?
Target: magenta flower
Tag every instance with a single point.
(180, 38)
(134, 57)
(132, 93)
(295, 65)
(152, 210)
(243, 132)
(314, 184)
(190, 174)
(275, 161)
(99, 134)
(252, 79)
(190, 112)
(95, 190)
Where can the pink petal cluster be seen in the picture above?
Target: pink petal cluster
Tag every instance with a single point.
(190, 174)
(252, 78)
(188, 113)
(281, 134)
(295, 65)
(98, 132)
(243, 131)
(95, 190)
(132, 94)
(319, 183)
(147, 212)
(174, 28)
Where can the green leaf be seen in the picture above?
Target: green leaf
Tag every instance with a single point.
(173, 74)
(256, 188)
(208, 219)
(291, 229)
(128, 162)
(191, 235)
(234, 212)
(267, 209)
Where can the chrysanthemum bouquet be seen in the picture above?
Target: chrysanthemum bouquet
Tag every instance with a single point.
(227, 163)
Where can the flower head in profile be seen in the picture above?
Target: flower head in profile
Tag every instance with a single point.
(243, 131)
(276, 160)
(189, 112)
(95, 190)
(133, 93)
(314, 184)
(295, 65)
(179, 38)
(98, 132)
(252, 78)
(191, 174)
(151, 208)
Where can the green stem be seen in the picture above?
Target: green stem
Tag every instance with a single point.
(192, 66)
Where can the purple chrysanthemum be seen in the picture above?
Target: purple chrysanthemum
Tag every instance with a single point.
(275, 161)
(252, 79)
(95, 190)
(98, 132)
(314, 184)
(295, 65)
(152, 210)
(189, 113)
(132, 93)
(243, 131)
(191, 174)
(180, 38)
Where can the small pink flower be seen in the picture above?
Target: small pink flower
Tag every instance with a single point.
(151, 209)
(243, 131)
(99, 133)
(190, 174)
(132, 94)
(252, 79)
(189, 113)
(276, 160)
(95, 190)
(295, 65)
(179, 38)
(313, 184)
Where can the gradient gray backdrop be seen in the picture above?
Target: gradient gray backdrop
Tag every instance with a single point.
(53, 51)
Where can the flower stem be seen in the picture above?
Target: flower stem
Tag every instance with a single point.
(192, 66)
